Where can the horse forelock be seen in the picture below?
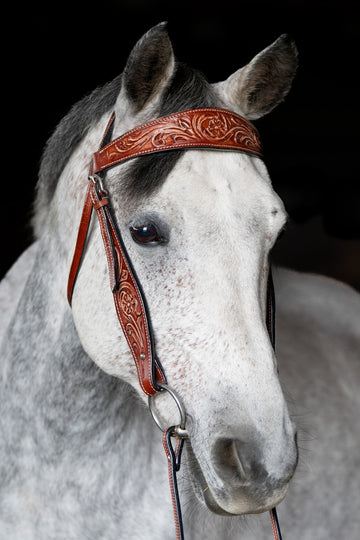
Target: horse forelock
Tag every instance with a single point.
(188, 89)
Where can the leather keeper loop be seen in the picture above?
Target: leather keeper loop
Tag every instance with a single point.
(101, 203)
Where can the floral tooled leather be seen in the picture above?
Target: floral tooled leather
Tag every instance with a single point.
(197, 128)
(130, 307)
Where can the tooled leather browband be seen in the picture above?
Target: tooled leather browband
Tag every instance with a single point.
(195, 128)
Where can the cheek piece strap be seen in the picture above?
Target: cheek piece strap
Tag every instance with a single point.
(195, 128)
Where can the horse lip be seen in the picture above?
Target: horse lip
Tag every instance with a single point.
(204, 492)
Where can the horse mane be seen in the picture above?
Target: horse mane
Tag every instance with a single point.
(188, 89)
(61, 144)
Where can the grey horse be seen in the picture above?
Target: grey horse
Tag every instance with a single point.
(81, 457)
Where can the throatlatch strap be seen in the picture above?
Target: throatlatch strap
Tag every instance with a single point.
(80, 243)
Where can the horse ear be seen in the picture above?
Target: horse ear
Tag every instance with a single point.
(149, 68)
(257, 88)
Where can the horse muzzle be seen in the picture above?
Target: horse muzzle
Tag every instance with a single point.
(233, 476)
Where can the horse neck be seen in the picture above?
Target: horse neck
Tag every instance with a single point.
(50, 385)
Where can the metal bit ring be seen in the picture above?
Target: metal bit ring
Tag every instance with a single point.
(179, 430)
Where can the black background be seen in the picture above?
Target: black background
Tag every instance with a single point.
(54, 54)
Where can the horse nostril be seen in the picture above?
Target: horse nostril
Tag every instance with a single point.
(226, 459)
(237, 460)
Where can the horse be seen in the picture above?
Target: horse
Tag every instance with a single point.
(81, 457)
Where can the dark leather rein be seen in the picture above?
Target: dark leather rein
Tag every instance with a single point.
(196, 128)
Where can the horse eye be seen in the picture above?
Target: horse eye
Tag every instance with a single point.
(146, 234)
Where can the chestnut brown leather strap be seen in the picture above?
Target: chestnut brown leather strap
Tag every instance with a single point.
(128, 298)
(85, 220)
(194, 128)
(174, 461)
(80, 243)
(275, 524)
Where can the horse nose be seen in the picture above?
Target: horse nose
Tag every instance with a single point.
(237, 461)
(242, 463)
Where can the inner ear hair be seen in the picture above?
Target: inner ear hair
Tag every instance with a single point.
(270, 76)
(258, 87)
(149, 67)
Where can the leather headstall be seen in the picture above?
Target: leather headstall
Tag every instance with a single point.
(195, 128)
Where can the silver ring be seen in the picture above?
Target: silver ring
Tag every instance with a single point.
(179, 430)
(96, 179)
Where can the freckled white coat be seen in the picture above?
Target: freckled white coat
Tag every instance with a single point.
(81, 457)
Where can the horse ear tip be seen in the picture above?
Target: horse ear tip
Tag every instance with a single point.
(158, 32)
(161, 27)
(287, 40)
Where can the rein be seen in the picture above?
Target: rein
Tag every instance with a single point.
(196, 128)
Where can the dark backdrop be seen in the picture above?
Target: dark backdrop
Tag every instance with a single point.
(55, 54)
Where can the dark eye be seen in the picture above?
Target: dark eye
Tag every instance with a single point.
(146, 234)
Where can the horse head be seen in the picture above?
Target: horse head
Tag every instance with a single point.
(199, 226)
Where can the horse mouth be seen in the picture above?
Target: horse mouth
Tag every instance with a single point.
(220, 501)
(200, 485)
